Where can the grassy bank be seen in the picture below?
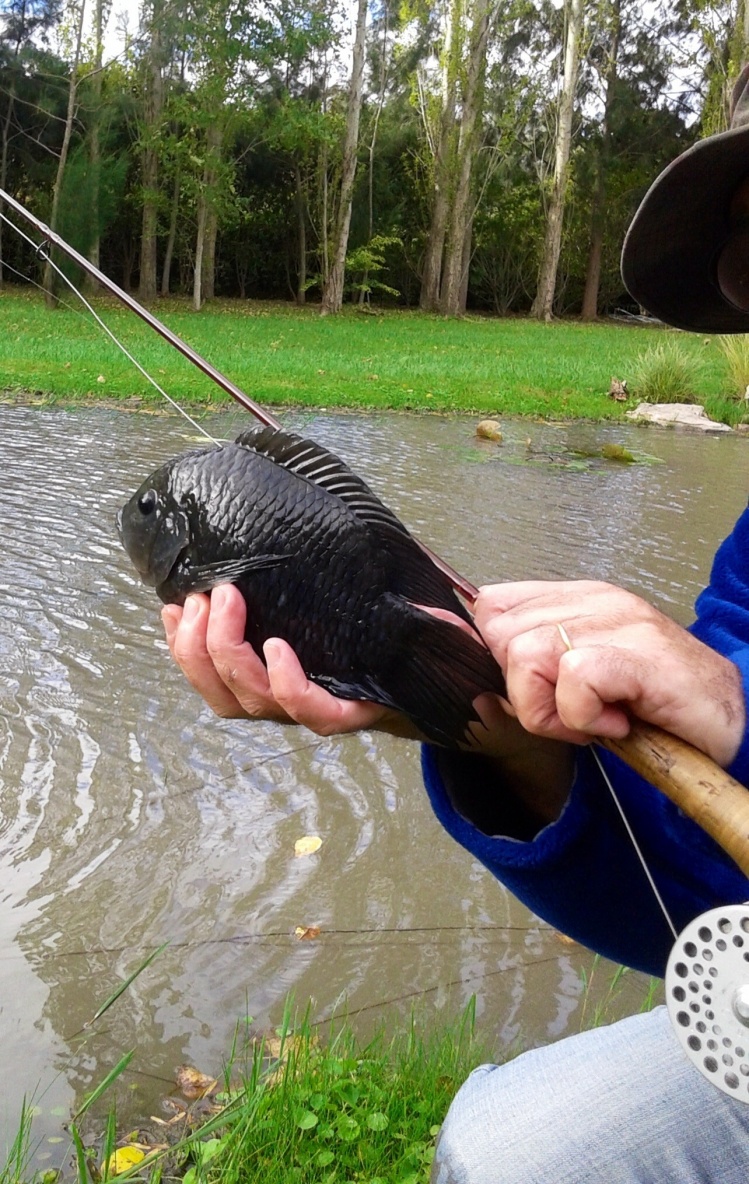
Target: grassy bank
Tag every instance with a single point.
(309, 1103)
(297, 1105)
(284, 356)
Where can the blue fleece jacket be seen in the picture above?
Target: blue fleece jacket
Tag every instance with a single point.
(581, 873)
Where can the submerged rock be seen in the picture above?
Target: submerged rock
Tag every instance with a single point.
(689, 415)
(489, 429)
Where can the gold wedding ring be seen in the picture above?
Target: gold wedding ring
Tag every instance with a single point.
(564, 637)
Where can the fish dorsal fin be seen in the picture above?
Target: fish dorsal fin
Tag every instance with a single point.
(413, 575)
(314, 463)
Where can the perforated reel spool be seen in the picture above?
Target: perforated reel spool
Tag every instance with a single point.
(707, 995)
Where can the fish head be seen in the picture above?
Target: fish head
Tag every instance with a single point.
(154, 529)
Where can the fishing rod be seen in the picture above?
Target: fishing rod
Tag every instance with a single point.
(704, 791)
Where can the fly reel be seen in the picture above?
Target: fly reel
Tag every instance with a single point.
(707, 995)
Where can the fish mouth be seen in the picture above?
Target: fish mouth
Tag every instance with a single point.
(154, 553)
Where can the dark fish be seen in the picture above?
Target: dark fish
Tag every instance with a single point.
(322, 563)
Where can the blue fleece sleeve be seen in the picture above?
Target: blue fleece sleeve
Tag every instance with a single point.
(581, 873)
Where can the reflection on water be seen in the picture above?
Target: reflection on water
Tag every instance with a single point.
(130, 816)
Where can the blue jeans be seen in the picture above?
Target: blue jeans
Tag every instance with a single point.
(616, 1105)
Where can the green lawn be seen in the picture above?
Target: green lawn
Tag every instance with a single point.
(283, 356)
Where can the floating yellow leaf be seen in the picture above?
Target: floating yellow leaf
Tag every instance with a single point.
(307, 933)
(122, 1159)
(192, 1083)
(308, 845)
(567, 941)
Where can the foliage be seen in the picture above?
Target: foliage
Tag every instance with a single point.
(269, 85)
(666, 373)
(335, 1110)
(365, 263)
(303, 1104)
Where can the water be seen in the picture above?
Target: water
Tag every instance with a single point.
(130, 816)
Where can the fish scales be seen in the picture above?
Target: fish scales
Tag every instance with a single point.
(320, 562)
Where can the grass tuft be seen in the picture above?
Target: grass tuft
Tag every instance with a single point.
(735, 350)
(340, 1111)
(304, 1109)
(666, 373)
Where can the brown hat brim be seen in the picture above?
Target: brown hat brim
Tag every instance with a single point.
(670, 252)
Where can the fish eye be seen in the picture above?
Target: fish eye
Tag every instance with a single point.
(147, 502)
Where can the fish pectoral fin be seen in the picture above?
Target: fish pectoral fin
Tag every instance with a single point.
(228, 571)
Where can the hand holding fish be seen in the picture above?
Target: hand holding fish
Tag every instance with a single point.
(627, 659)
(207, 640)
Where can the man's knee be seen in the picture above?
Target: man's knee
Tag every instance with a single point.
(467, 1144)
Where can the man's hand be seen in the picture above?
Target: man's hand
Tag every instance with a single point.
(627, 659)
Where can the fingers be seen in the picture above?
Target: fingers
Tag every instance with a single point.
(207, 641)
(306, 703)
(627, 659)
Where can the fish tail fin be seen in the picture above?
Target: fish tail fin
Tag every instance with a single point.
(436, 671)
(445, 671)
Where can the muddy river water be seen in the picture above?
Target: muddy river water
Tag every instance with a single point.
(130, 816)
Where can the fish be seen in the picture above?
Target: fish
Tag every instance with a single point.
(321, 562)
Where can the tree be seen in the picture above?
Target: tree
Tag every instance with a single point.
(613, 21)
(77, 12)
(454, 143)
(458, 241)
(542, 307)
(332, 297)
(152, 114)
(23, 21)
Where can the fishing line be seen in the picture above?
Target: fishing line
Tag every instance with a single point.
(455, 982)
(607, 781)
(41, 253)
(486, 932)
(635, 844)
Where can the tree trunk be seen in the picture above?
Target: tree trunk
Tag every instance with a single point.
(597, 217)
(467, 252)
(429, 298)
(49, 272)
(461, 212)
(209, 254)
(153, 107)
(363, 292)
(197, 279)
(4, 165)
(301, 222)
(205, 250)
(94, 148)
(172, 237)
(332, 297)
(543, 304)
